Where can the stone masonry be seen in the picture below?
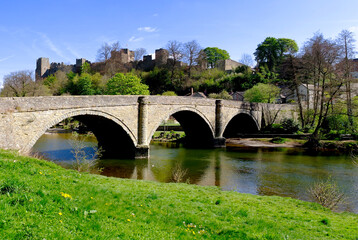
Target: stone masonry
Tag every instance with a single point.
(135, 118)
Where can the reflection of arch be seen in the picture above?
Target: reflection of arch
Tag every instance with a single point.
(111, 133)
(241, 123)
(197, 128)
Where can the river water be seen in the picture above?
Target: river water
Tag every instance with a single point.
(261, 171)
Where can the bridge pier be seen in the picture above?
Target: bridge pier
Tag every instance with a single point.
(219, 140)
(142, 149)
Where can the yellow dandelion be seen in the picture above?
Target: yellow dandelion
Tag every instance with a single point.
(91, 197)
(40, 172)
(128, 220)
(60, 213)
(30, 200)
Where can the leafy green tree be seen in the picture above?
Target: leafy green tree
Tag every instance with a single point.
(264, 93)
(272, 51)
(158, 80)
(126, 84)
(214, 54)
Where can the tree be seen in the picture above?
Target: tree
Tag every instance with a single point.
(191, 52)
(272, 51)
(320, 57)
(346, 42)
(139, 53)
(126, 84)
(264, 93)
(214, 54)
(18, 84)
(175, 53)
(246, 59)
(104, 53)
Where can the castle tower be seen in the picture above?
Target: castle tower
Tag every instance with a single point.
(126, 56)
(161, 56)
(42, 68)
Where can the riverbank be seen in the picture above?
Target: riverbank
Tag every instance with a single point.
(39, 199)
(345, 146)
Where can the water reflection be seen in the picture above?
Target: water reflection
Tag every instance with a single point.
(283, 172)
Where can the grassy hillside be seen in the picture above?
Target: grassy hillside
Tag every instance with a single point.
(39, 199)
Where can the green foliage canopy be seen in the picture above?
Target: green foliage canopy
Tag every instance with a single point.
(264, 93)
(126, 84)
(213, 54)
(272, 51)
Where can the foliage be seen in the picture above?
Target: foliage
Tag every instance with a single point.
(214, 54)
(289, 126)
(271, 52)
(278, 140)
(169, 93)
(126, 84)
(264, 93)
(327, 193)
(158, 80)
(54, 203)
(222, 95)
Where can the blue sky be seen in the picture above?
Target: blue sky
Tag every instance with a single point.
(69, 29)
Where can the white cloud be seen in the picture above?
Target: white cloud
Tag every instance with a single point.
(6, 58)
(136, 39)
(147, 29)
(52, 46)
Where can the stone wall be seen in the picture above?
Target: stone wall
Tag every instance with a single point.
(24, 120)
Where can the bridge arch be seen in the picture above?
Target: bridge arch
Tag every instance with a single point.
(198, 129)
(243, 122)
(112, 134)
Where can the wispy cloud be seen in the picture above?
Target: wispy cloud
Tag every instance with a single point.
(72, 51)
(6, 58)
(136, 39)
(52, 46)
(147, 29)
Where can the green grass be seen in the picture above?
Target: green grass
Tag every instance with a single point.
(39, 200)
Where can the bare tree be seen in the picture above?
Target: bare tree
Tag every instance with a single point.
(139, 53)
(18, 84)
(320, 57)
(346, 42)
(246, 59)
(175, 53)
(104, 53)
(191, 54)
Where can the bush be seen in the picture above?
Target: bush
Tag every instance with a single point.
(278, 140)
(169, 93)
(289, 126)
(327, 193)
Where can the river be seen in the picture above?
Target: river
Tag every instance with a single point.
(284, 172)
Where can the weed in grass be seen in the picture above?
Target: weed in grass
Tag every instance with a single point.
(178, 173)
(327, 193)
(84, 161)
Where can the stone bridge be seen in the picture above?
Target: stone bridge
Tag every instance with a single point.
(124, 125)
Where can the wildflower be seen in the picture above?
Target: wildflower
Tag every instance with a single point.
(60, 213)
(60, 221)
(133, 215)
(40, 172)
(128, 220)
(30, 200)
(91, 197)
(65, 195)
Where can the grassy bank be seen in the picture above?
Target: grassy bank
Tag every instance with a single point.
(39, 199)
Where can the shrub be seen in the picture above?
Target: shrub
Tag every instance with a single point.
(289, 126)
(278, 140)
(327, 193)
